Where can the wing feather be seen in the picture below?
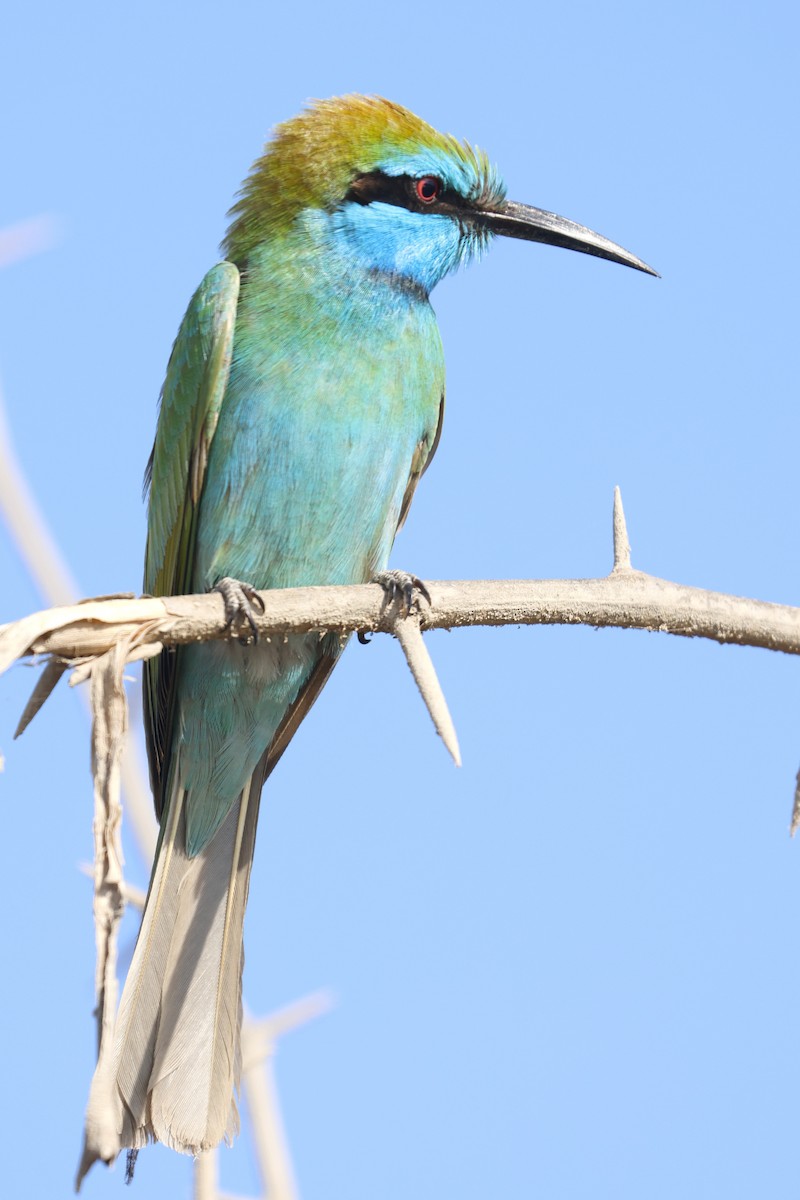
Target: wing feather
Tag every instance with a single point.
(419, 465)
(191, 399)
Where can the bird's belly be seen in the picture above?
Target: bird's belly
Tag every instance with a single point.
(309, 492)
(305, 482)
(295, 503)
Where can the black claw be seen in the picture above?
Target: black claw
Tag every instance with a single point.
(420, 586)
(240, 599)
(254, 598)
(364, 637)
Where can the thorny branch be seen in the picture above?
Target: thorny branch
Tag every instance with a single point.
(78, 635)
(629, 599)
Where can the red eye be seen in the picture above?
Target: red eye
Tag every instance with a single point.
(428, 188)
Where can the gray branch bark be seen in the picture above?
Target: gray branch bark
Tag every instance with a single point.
(625, 599)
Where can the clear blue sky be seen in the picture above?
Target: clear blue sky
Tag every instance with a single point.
(572, 968)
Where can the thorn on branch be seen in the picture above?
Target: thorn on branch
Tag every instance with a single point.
(409, 635)
(622, 547)
(44, 687)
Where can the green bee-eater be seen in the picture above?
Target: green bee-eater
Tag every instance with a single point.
(302, 403)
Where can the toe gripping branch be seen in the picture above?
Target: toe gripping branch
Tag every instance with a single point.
(402, 585)
(241, 603)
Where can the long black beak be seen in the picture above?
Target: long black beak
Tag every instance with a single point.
(536, 225)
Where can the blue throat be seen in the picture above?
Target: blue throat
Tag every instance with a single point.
(420, 248)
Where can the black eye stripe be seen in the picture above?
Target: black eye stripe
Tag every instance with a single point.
(375, 187)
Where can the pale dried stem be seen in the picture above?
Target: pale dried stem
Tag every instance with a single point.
(108, 737)
(109, 726)
(264, 1032)
(206, 1186)
(135, 896)
(26, 238)
(274, 1161)
(28, 528)
(259, 1038)
(795, 822)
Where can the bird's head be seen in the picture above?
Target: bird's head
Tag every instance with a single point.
(397, 196)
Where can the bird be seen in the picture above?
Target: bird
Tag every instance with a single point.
(302, 403)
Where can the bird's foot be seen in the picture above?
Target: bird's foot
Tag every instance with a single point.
(241, 603)
(400, 585)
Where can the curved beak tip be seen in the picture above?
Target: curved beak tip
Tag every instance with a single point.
(537, 225)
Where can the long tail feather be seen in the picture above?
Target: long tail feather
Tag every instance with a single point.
(176, 1059)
